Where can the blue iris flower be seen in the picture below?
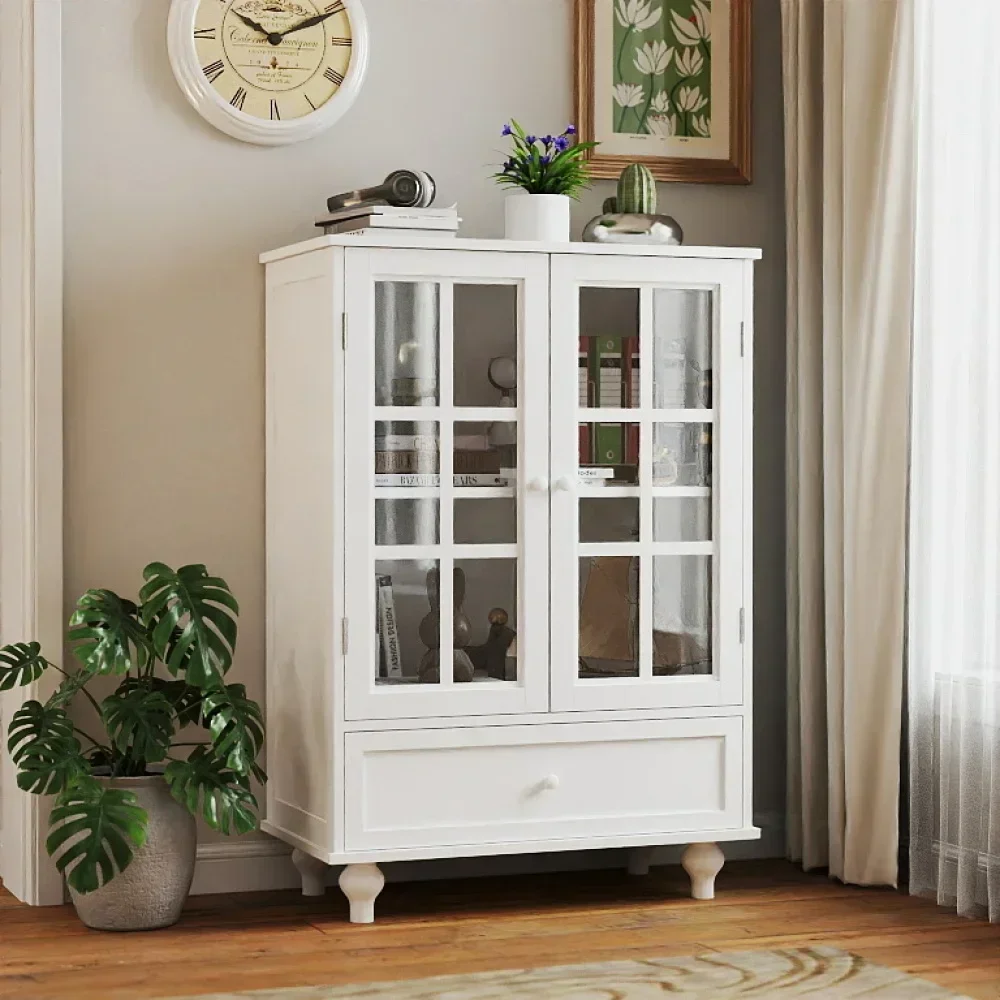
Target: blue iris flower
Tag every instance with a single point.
(562, 144)
(507, 130)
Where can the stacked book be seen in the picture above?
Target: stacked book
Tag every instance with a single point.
(364, 218)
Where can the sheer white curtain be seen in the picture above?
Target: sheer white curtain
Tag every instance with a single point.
(954, 607)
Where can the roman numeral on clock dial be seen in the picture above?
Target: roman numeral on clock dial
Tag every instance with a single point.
(205, 34)
(214, 70)
(342, 41)
(334, 8)
(275, 113)
(309, 101)
(333, 76)
(238, 98)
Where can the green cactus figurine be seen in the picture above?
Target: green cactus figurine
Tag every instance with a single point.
(610, 206)
(636, 191)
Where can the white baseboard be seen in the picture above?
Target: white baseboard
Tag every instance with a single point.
(264, 863)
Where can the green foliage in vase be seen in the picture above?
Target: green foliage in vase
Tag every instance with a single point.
(636, 190)
(185, 620)
(550, 164)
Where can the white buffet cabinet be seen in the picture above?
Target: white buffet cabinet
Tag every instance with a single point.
(552, 443)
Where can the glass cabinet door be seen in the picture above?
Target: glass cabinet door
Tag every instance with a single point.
(446, 483)
(647, 503)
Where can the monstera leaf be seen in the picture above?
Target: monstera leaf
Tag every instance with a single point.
(185, 701)
(204, 784)
(236, 726)
(140, 723)
(94, 831)
(110, 636)
(192, 617)
(44, 748)
(20, 664)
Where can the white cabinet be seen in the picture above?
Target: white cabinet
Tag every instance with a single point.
(508, 551)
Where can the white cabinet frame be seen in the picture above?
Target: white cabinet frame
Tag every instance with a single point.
(528, 273)
(724, 686)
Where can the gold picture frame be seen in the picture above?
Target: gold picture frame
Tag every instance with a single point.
(641, 66)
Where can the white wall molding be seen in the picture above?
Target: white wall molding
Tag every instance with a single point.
(31, 459)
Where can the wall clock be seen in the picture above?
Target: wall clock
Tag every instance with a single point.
(269, 71)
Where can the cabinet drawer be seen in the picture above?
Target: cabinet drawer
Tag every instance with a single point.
(435, 788)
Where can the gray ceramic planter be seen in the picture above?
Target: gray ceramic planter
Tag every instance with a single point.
(151, 891)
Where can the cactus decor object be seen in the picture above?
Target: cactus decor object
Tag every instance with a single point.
(631, 216)
(636, 191)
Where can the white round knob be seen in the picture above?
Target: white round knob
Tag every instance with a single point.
(564, 484)
(550, 783)
(539, 485)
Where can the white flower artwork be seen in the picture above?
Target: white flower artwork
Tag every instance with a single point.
(638, 14)
(697, 28)
(668, 84)
(653, 58)
(691, 99)
(702, 126)
(664, 126)
(660, 104)
(629, 95)
(690, 62)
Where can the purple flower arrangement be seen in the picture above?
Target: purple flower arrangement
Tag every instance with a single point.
(552, 164)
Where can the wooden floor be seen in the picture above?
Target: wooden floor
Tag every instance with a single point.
(244, 942)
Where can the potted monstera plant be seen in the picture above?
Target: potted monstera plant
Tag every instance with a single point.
(177, 742)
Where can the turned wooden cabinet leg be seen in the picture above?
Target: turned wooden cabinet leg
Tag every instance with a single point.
(703, 862)
(313, 873)
(639, 860)
(361, 884)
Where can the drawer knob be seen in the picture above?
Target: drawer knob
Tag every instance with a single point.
(549, 783)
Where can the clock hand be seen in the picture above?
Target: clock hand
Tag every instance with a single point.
(274, 37)
(309, 22)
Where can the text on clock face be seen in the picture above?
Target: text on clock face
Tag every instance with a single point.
(274, 59)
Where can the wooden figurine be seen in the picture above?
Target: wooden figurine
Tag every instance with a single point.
(430, 631)
(491, 657)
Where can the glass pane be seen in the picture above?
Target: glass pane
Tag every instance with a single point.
(609, 453)
(609, 616)
(682, 348)
(486, 522)
(407, 331)
(485, 350)
(682, 615)
(406, 522)
(682, 519)
(682, 454)
(612, 519)
(486, 454)
(406, 453)
(407, 621)
(609, 347)
(485, 620)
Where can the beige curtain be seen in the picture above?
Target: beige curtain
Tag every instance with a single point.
(849, 156)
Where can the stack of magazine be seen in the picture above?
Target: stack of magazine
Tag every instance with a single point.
(364, 218)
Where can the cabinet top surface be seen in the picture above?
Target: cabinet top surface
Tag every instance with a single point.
(373, 240)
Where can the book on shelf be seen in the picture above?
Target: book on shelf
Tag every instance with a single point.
(434, 479)
(609, 377)
(390, 658)
(406, 442)
(361, 217)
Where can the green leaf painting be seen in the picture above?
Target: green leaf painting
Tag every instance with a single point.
(663, 68)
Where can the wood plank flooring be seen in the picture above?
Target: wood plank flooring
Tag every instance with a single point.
(253, 941)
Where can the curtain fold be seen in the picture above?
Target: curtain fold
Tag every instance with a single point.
(954, 612)
(848, 81)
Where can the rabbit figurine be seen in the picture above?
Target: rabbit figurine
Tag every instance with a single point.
(430, 631)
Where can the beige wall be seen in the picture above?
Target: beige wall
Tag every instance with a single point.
(164, 329)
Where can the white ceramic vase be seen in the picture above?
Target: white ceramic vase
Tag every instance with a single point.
(151, 891)
(537, 217)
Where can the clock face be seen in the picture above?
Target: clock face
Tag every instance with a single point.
(269, 71)
(274, 59)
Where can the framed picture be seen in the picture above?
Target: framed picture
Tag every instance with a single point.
(666, 83)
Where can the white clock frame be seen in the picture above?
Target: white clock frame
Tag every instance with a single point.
(211, 105)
